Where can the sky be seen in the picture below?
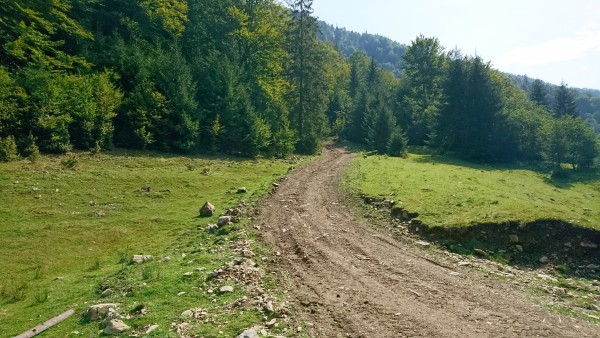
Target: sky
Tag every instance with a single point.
(553, 40)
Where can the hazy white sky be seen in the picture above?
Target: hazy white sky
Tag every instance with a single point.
(553, 40)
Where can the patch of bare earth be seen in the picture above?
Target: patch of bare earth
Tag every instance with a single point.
(349, 280)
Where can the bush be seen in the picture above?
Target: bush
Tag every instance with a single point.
(8, 149)
(560, 174)
(30, 148)
(398, 144)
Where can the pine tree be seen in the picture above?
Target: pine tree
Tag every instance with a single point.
(564, 102)
(539, 93)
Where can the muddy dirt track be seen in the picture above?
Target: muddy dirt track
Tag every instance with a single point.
(349, 280)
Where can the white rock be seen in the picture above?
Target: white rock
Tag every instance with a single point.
(138, 259)
(224, 220)
(115, 326)
(152, 328)
(424, 244)
(98, 311)
(251, 333)
(226, 288)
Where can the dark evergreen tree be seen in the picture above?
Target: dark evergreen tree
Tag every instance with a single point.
(564, 102)
(539, 93)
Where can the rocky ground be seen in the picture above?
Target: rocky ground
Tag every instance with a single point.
(344, 278)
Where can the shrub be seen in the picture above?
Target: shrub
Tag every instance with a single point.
(398, 144)
(8, 149)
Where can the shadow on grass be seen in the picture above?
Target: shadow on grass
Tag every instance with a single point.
(573, 176)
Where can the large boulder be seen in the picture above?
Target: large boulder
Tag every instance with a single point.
(207, 210)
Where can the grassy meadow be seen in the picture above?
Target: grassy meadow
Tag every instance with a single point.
(453, 193)
(69, 224)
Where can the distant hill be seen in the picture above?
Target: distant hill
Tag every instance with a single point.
(386, 52)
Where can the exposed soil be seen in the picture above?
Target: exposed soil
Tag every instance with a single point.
(350, 280)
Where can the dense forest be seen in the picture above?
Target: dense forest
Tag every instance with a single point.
(251, 77)
(386, 52)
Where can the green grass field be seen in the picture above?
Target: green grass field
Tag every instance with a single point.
(452, 193)
(65, 232)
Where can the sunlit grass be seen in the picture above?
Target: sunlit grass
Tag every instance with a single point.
(69, 226)
(448, 192)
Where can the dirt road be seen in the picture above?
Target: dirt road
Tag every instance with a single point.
(352, 281)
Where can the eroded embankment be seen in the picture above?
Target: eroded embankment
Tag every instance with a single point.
(532, 244)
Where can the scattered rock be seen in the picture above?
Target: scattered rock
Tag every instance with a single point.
(544, 259)
(207, 210)
(166, 259)
(237, 261)
(464, 263)
(224, 220)
(212, 228)
(547, 277)
(242, 190)
(568, 245)
(152, 328)
(138, 259)
(196, 313)
(37, 197)
(181, 293)
(269, 307)
(98, 311)
(188, 274)
(115, 326)
(275, 185)
(251, 333)
(593, 307)
(593, 267)
(98, 213)
(146, 189)
(480, 252)
(588, 245)
(514, 238)
(271, 322)
(226, 288)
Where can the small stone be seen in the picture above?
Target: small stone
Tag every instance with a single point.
(480, 252)
(146, 189)
(98, 213)
(242, 190)
(593, 267)
(181, 293)
(115, 326)
(269, 307)
(166, 259)
(37, 197)
(152, 328)
(454, 273)
(547, 277)
(594, 307)
(188, 274)
(207, 210)
(224, 220)
(271, 322)
(98, 311)
(543, 260)
(138, 259)
(464, 263)
(424, 244)
(226, 288)
(568, 245)
(514, 238)
(275, 185)
(251, 333)
(212, 228)
(519, 248)
(588, 245)
(106, 293)
(237, 261)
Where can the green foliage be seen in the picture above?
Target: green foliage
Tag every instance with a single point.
(398, 144)
(421, 96)
(8, 149)
(570, 140)
(564, 102)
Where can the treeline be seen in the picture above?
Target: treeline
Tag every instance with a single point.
(587, 101)
(460, 104)
(250, 77)
(244, 77)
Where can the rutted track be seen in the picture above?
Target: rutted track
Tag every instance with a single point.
(353, 281)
